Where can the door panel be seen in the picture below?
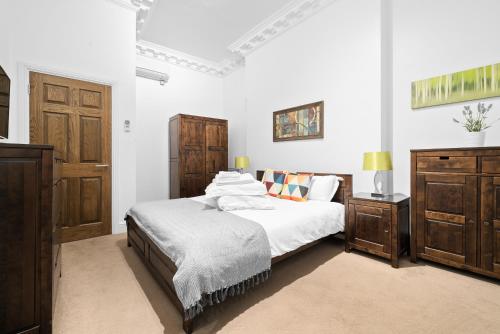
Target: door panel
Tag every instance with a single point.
(446, 214)
(56, 132)
(372, 227)
(215, 148)
(490, 223)
(451, 203)
(90, 139)
(75, 117)
(192, 186)
(192, 132)
(90, 200)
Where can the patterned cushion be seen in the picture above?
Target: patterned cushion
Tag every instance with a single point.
(296, 187)
(274, 181)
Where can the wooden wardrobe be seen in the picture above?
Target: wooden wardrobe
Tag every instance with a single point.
(30, 253)
(455, 204)
(197, 151)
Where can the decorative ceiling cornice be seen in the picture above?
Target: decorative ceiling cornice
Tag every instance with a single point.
(125, 4)
(185, 60)
(287, 17)
(145, 7)
(282, 20)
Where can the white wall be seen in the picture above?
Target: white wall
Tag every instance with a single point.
(433, 38)
(93, 40)
(333, 56)
(235, 111)
(187, 92)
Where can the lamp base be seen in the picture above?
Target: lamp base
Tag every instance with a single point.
(378, 195)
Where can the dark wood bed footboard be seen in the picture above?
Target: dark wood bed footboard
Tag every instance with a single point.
(160, 265)
(163, 269)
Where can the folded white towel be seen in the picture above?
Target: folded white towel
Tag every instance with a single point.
(250, 189)
(229, 203)
(243, 179)
(228, 175)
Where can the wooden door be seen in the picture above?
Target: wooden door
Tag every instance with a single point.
(75, 117)
(215, 148)
(19, 252)
(370, 227)
(192, 157)
(446, 217)
(490, 224)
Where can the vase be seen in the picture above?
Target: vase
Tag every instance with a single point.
(475, 139)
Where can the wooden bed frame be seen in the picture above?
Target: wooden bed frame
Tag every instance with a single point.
(163, 269)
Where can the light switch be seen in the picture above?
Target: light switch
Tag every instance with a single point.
(127, 125)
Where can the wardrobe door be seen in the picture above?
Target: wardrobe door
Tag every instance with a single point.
(192, 158)
(490, 224)
(446, 217)
(215, 148)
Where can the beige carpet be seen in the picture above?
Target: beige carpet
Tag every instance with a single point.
(105, 288)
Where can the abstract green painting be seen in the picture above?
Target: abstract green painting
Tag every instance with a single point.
(474, 84)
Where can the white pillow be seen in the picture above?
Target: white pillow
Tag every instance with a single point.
(323, 188)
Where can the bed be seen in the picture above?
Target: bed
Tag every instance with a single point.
(306, 224)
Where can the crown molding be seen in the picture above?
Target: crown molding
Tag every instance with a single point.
(159, 52)
(144, 10)
(125, 4)
(282, 20)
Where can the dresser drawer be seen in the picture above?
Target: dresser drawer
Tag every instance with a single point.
(447, 164)
(490, 165)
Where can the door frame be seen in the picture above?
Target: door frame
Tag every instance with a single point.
(23, 123)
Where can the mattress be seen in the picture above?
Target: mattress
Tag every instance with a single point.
(294, 224)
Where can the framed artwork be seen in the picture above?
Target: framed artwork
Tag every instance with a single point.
(302, 122)
(474, 84)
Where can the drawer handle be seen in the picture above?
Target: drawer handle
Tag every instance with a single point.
(386, 231)
(486, 223)
(444, 158)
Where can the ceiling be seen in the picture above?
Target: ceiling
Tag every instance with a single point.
(205, 28)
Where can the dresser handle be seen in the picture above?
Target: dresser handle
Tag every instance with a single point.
(486, 223)
(101, 166)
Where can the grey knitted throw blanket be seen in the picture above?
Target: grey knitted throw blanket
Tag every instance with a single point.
(216, 253)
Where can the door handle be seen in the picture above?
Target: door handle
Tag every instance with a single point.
(101, 166)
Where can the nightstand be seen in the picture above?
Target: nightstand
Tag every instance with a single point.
(378, 225)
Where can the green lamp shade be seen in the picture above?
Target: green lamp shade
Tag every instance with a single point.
(377, 161)
(241, 162)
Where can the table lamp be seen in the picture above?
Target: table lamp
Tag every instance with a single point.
(377, 161)
(241, 163)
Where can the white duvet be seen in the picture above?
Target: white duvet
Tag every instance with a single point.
(294, 224)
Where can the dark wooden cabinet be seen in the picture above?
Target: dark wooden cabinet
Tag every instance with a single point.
(378, 225)
(456, 208)
(198, 151)
(29, 247)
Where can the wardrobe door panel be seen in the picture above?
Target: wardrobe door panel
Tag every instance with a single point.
(446, 217)
(490, 224)
(191, 132)
(215, 148)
